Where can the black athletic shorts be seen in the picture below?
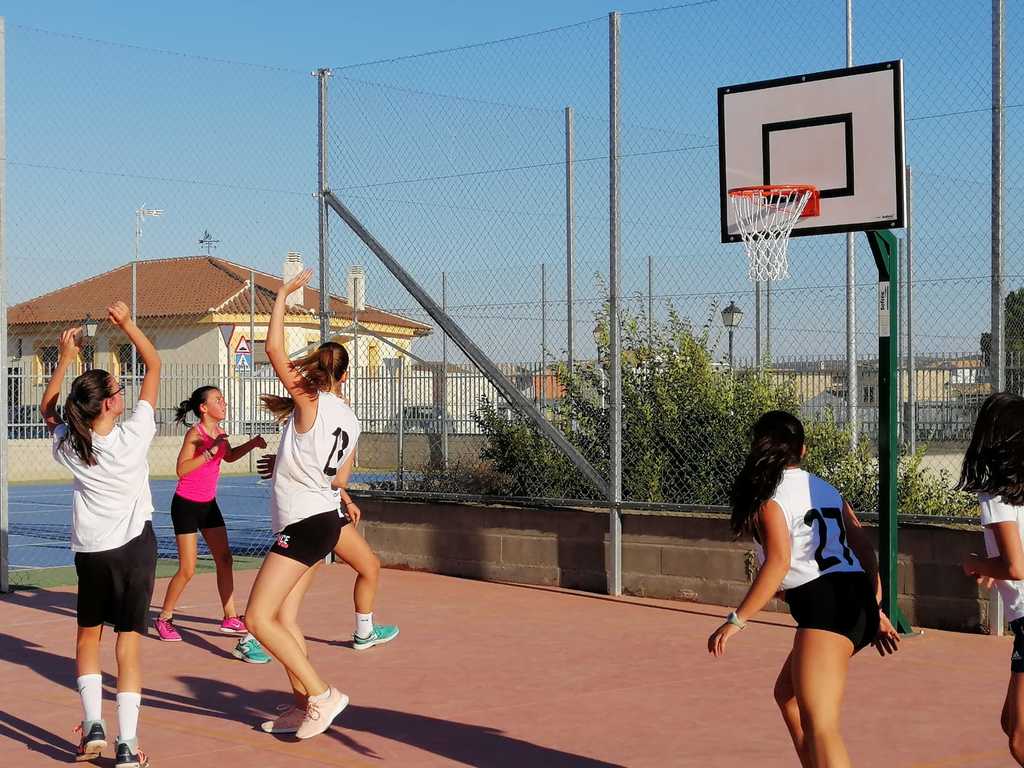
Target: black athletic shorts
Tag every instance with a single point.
(1017, 656)
(189, 516)
(843, 603)
(312, 539)
(116, 586)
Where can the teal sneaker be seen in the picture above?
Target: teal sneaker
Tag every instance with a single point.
(251, 651)
(382, 633)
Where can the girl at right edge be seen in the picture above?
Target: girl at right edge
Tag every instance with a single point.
(993, 468)
(811, 545)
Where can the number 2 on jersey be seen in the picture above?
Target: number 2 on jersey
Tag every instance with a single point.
(821, 518)
(334, 457)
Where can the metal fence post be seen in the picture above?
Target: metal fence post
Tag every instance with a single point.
(997, 354)
(852, 414)
(444, 374)
(401, 424)
(570, 248)
(252, 363)
(323, 221)
(5, 550)
(614, 348)
(911, 365)
(757, 324)
(543, 338)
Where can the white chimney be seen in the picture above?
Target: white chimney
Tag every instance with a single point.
(292, 268)
(356, 288)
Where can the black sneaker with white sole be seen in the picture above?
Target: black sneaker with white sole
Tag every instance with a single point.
(129, 755)
(94, 740)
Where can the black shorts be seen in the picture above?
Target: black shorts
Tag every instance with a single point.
(1017, 656)
(312, 539)
(189, 516)
(843, 603)
(116, 586)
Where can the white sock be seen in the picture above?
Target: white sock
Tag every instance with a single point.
(364, 624)
(90, 688)
(128, 705)
(321, 696)
(247, 638)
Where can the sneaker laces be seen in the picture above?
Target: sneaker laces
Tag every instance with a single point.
(77, 729)
(313, 710)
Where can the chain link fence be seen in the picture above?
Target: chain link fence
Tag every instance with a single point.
(191, 185)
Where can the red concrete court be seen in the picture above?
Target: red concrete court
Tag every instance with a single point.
(499, 675)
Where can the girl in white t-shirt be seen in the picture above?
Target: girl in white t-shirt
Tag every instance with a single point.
(811, 546)
(993, 468)
(314, 458)
(111, 529)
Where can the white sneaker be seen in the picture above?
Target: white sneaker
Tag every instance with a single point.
(320, 714)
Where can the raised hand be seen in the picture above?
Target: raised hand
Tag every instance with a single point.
(299, 281)
(69, 343)
(119, 314)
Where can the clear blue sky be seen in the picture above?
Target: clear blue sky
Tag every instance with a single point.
(96, 130)
(305, 34)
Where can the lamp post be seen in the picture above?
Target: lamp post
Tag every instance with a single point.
(89, 326)
(731, 317)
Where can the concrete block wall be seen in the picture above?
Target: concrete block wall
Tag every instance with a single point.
(688, 556)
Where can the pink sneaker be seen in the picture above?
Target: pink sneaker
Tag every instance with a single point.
(233, 626)
(166, 631)
(287, 722)
(320, 714)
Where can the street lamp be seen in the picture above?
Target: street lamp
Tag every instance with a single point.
(89, 326)
(731, 317)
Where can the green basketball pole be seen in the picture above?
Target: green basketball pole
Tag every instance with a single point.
(884, 249)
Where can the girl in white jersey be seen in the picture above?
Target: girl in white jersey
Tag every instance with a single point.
(315, 454)
(811, 546)
(111, 529)
(993, 468)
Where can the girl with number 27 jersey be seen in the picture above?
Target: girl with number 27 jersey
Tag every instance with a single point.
(811, 546)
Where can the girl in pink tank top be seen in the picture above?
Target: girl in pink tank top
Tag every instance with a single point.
(194, 509)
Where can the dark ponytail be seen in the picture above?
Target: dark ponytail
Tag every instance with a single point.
(778, 442)
(196, 399)
(321, 369)
(84, 404)
(994, 462)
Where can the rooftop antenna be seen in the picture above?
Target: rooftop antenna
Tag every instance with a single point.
(208, 242)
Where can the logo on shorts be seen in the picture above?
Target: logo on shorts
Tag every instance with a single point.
(1016, 656)
(282, 541)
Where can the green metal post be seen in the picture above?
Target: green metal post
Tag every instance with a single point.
(884, 248)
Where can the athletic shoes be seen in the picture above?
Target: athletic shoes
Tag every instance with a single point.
(166, 631)
(129, 755)
(93, 741)
(251, 651)
(233, 626)
(320, 714)
(288, 721)
(382, 633)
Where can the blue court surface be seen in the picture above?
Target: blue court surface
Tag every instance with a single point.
(40, 519)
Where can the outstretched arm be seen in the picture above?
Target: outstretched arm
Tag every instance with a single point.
(69, 348)
(119, 314)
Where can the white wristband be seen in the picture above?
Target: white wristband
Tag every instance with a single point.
(733, 618)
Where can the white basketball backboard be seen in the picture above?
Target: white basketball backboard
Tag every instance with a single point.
(841, 131)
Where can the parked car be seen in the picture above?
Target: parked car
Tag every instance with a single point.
(423, 419)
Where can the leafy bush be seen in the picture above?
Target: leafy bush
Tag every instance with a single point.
(685, 431)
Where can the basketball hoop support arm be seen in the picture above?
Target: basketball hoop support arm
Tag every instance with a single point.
(884, 248)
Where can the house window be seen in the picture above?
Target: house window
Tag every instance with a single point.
(869, 395)
(126, 362)
(88, 357)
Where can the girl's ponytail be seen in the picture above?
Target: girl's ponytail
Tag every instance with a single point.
(778, 441)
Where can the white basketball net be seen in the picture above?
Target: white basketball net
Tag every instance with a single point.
(765, 219)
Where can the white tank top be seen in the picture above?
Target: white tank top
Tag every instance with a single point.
(307, 462)
(817, 530)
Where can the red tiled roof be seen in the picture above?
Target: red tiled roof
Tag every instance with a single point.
(191, 286)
